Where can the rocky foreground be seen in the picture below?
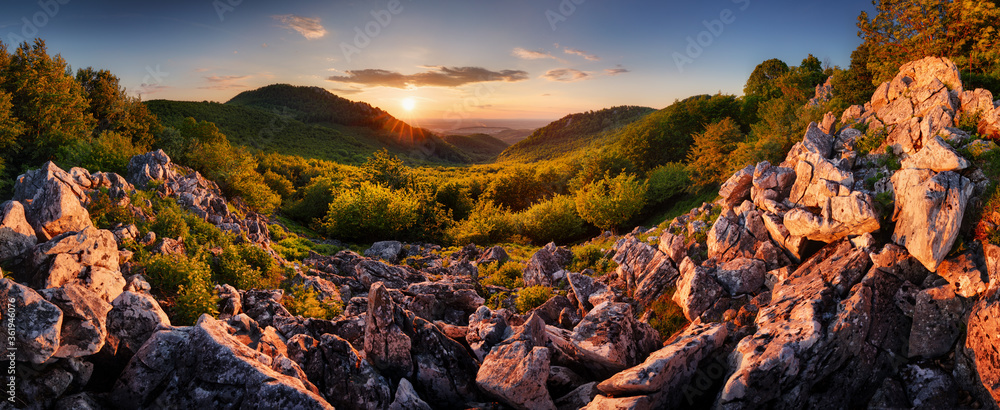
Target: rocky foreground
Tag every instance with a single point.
(806, 294)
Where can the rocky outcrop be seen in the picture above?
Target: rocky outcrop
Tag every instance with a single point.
(516, 373)
(936, 316)
(697, 289)
(133, 319)
(337, 369)
(17, 236)
(52, 200)
(387, 345)
(612, 339)
(388, 251)
(643, 271)
(546, 266)
(929, 211)
(37, 322)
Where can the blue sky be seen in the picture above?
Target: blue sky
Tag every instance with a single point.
(449, 59)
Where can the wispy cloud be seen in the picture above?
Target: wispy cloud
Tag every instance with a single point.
(310, 28)
(616, 71)
(582, 53)
(440, 76)
(531, 55)
(224, 82)
(565, 75)
(346, 91)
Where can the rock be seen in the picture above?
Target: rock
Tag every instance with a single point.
(263, 306)
(169, 246)
(495, 254)
(386, 345)
(928, 387)
(151, 166)
(84, 327)
(448, 300)
(669, 369)
(546, 266)
(516, 373)
(407, 398)
(386, 250)
(697, 290)
(737, 188)
(486, 329)
(204, 366)
(672, 246)
(963, 274)
(80, 401)
(817, 179)
(341, 373)
(937, 156)
(741, 275)
(981, 345)
(393, 277)
(793, 245)
(444, 372)
(936, 317)
(52, 201)
(735, 236)
(840, 216)
(578, 398)
(643, 271)
(815, 141)
(612, 339)
(828, 119)
(584, 287)
(17, 237)
(230, 301)
(563, 380)
(929, 211)
(602, 402)
(37, 322)
(133, 319)
(66, 258)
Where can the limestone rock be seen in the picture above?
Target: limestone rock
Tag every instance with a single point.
(388, 251)
(17, 236)
(151, 166)
(52, 201)
(963, 274)
(584, 287)
(444, 372)
(612, 335)
(407, 398)
(643, 270)
(133, 319)
(516, 373)
(741, 275)
(386, 345)
(38, 322)
(546, 266)
(486, 329)
(737, 188)
(263, 306)
(937, 156)
(936, 317)
(929, 212)
(735, 236)
(697, 289)
(981, 343)
(392, 277)
(841, 216)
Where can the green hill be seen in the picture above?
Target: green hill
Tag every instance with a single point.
(573, 133)
(479, 147)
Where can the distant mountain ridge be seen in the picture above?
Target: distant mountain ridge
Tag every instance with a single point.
(573, 133)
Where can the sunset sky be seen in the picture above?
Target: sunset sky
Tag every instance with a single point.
(539, 59)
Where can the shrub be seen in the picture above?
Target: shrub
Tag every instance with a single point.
(455, 197)
(105, 213)
(516, 188)
(109, 152)
(192, 302)
(188, 281)
(301, 300)
(256, 257)
(667, 181)
(385, 169)
(611, 202)
(498, 300)
(592, 257)
(231, 269)
(667, 317)
(532, 297)
(371, 212)
(554, 220)
(487, 224)
(509, 275)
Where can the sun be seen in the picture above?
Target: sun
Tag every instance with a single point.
(409, 103)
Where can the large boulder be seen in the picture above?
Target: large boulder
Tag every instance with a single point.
(17, 236)
(963, 274)
(407, 398)
(444, 372)
(612, 339)
(697, 289)
(937, 156)
(643, 271)
(741, 275)
(386, 250)
(387, 345)
(736, 235)
(204, 366)
(546, 266)
(151, 166)
(929, 211)
(341, 373)
(981, 344)
(840, 216)
(89, 257)
(84, 325)
(133, 319)
(517, 373)
(37, 322)
(737, 188)
(52, 200)
(936, 317)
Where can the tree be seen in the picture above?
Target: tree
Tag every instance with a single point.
(386, 169)
(907, 30)
(761, 83)
(114, 110)
(611, 202)
(708, 159)
(854, 85)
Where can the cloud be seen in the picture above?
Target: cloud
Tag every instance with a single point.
(531, 55)
(438, 77)
(582, 53)
(310, 28)
(345, 91)
(616, 71)
(224, 82)
(565, 75)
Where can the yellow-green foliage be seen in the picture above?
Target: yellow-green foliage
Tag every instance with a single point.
(611, 202)
(302, 300)
(667, 181)
(488, 223)
(188, 281)
(708, 158)
(371, 212)
(590, 256)
(510, 275)
(531, 297)
(108, 152)
(554, 220)
(667, 317)
(231, 269)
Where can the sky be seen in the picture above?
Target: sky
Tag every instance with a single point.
(440, 60)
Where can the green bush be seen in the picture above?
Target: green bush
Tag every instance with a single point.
(611, 202)
(487, 224)
(554, 220)
(301, 300)
(498, 300)
(188, 281)
(455, 197)
(231, 269)
(592, 257)
(370, 213)
(192, 302)
(667, 181)
(667, 317)
(509, 275)
(531, 297)
(107, 152)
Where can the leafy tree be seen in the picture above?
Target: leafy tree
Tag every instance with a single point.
(763, 79)
(667, 181)
(488, 223)
(902, 31)
(854, 85)
(708, 159)
(386, 169)
(554, 220)
(517, 188)
(611, 202)
(371, 212)
(114, 110)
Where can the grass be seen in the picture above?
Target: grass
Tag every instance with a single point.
(681, 207)
(667, 317)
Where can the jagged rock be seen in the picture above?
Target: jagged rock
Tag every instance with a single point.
(936, 316)
(80, 401)
(341, 373)
(578, 398)
(612, 339)
(169, 246)
(17, 237)
(495, 254)
(673, 246)
(546, 266)
(151, 166)
(133, 319)
(407, 398)
(52, 201)
(65, 258)
(741, 275)
(230, 301)
(40, 386)
(981, 344)
(445, 300)
(737, 188)
(929, 211)
(486, 329)
(444, 372)
(963, 274)
(387, 346)
(263, 306)
(562, 380)
(841, 216)
(584, 287)
(386, 250)
(516, 374)
(393, 277)
(793, 245)
(643, 271)
(817, 178)
(736, 236)
(815, 141)
(697, 289)
(602, 402)
(37, 322)
(937, 156)
(204, 366)
(84, 328)
(550, 310)
(929, 387)
(669, 369)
